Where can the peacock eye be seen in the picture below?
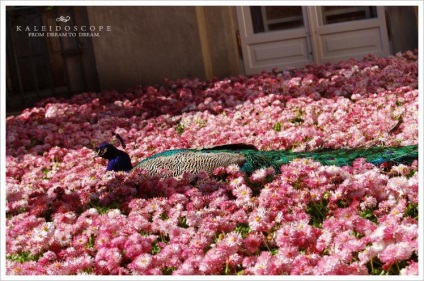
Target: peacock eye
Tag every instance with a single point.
(102, 151)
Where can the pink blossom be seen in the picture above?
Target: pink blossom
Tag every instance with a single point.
(141, 263)
(263, 266)
(411, 269)
(396, 252)
(253, 241)
(108, 259)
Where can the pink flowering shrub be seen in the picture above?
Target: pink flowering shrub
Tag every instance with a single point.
(66, 215)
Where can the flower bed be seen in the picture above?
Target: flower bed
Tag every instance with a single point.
(65, 215)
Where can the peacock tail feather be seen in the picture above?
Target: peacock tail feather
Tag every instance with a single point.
(250, 159)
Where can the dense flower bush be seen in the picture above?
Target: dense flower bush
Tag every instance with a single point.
(66, 215)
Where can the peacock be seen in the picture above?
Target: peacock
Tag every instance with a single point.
(247, 157)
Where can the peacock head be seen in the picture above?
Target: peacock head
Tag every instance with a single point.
(118, 160)
(107, 151)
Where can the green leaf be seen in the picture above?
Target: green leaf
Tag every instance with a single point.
(368, 214)
(243, 229)
(155, 248)
(411, 211)
(23, 257)
(318, 212)
(182, 222)
(45, 171)
(180, 128)
(277, 126)
(104, 209)
(168, 270)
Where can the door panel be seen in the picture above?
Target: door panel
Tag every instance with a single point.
(287, 52)
(277, 41)
(348, 43)
(352, 34)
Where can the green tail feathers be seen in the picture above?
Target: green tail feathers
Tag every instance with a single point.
(249, 159)
(341, 157)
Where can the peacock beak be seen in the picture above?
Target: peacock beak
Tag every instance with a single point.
(100, 152)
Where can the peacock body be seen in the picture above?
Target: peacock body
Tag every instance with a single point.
(249, 159)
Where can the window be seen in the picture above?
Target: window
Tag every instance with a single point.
(337, 14)
(265, 19)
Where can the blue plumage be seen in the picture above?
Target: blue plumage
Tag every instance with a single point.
(118, 159)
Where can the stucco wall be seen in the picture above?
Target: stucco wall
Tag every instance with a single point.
(146, 45)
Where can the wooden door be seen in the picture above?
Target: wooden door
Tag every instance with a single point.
(343, 32)
(292, 36)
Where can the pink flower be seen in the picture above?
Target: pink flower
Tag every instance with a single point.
(264, 265)
(243, 194)
(324, 240)
(47, 257)
(298, 233)
(258, 175)
(231, 242)
(396, 252)
(259, 220)
(368, 202)
(328, 265)
(253, 241)
(141, 263)
(63, 237)
(108, 259)
(213, 261)
(58, 268)
(233, 169)
(411, 269)
(80, 241)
